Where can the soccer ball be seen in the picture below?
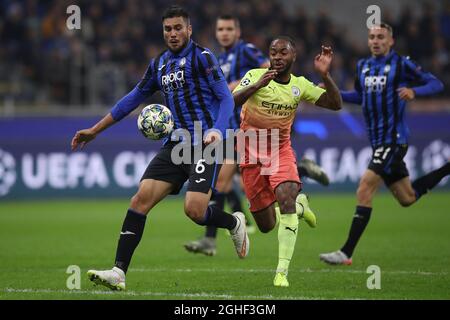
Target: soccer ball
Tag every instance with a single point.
(155, 121)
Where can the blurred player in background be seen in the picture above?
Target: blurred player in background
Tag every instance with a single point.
(382, 88)
(195, 90)
(270, 98)
(237, 58)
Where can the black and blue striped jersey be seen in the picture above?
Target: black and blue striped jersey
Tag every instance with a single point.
(376, 88)
(193, 85)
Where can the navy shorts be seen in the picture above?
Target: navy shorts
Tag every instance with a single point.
(387, 161)
(201, 175)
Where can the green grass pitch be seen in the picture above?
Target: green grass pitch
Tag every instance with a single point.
(39, 240)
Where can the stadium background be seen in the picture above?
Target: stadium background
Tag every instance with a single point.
(54, 81)
(49, 71)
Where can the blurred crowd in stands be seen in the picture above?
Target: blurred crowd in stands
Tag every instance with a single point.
(42, 62)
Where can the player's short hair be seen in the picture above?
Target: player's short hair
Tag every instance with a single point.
(175, 11)
(386, 26)
(285, 38)
(230, 17)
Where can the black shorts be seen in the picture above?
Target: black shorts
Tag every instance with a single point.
(201, 175)
(387, 162)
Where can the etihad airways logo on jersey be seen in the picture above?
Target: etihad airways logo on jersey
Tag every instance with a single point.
(279, 109)
(278, 106)
(173, 81)
(375, 83)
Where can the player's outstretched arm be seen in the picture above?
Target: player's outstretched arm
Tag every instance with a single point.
(351, 96)
(331, 99)
(122, 108)
(242, 95)
(82, 137)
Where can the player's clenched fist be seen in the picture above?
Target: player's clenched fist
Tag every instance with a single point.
(266, 78)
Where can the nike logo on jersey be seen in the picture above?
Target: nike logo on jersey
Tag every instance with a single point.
(128, 232)
(293, 230)
(200, 180)
(205, 52)
(160, 68)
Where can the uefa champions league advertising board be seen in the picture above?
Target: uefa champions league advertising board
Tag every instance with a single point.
(36, 160)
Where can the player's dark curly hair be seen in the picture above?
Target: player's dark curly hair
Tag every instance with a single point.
(175, 11)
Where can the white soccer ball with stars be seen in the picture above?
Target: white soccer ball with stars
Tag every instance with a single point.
(155, 121)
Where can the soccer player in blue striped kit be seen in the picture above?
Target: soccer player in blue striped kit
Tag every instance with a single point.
(381, 87)
(195, 90)
(236, 59)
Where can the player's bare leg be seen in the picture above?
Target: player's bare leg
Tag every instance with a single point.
(403, 192)
(150, 192)
(266, 219)
(368, 186)
(407, 193)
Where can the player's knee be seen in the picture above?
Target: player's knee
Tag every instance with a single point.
(139, 204)
(364, 194)
(286, 202)
(407, 201)
(288, 206)
(266, 227)
(194, 212)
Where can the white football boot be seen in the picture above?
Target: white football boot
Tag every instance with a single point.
(113, 279)
(239, 236)
(336, 257)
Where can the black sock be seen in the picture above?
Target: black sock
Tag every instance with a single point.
(302, 171)
(218, 218)
(218, 200)
(132, 229)
(359, 223)
(234, 201)
(430, 180)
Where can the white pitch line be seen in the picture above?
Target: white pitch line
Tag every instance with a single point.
(167, 294)
(238, 270)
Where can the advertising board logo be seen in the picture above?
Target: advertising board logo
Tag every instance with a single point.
(7, 172)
